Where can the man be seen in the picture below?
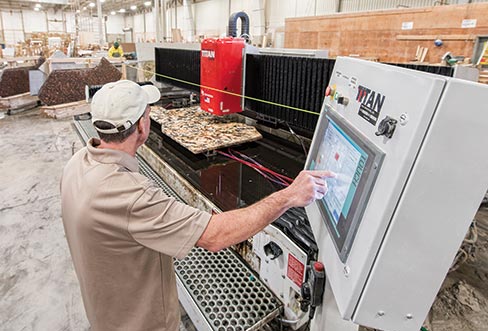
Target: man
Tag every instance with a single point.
(123, 231)
(116, 50)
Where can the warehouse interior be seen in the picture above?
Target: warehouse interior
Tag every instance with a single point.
(389, 96)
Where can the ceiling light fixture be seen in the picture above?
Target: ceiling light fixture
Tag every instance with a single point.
(133, 7)
(147, 3)
(91, 4)
(122, 10)
(38, 5)
(112, 13)
(37, 8)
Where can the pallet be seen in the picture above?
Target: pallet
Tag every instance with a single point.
(14, 62)
(66, 109)
(18, 103)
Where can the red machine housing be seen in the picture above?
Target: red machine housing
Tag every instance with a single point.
(221, 70)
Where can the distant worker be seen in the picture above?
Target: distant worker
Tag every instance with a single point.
(123, 230)
(116, 50)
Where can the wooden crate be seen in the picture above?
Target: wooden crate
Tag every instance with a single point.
(66, 109)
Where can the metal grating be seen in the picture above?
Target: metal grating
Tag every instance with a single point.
(227, 292)
(225, 289)
(182, 64)
(439, 70)
(293, 81)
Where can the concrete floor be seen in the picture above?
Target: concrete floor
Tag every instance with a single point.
(38, 286)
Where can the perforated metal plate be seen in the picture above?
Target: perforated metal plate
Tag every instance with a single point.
(227, 292)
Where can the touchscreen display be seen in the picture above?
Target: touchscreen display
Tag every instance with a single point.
(341, 155)
(342, 149)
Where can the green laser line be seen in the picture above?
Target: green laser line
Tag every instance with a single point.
(227, 92)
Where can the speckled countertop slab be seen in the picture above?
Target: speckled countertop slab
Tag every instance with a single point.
(199, 131)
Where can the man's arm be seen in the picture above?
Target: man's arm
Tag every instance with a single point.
(235, 226)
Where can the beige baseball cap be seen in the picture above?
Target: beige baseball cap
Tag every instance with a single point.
(121, 104)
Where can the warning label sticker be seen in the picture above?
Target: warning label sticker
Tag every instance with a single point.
(295, 270)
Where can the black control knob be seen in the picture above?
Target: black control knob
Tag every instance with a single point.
(272, 249)
(306, 293)
(386, 127)
(343, 101)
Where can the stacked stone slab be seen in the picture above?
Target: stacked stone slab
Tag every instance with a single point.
(14, 81)
(63, 86)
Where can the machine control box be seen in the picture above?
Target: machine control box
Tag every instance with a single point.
(408, 150)
(221, 75)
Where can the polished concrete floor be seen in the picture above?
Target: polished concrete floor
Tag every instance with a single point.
(38, 286)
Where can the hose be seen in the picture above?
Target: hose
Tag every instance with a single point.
(233, 24)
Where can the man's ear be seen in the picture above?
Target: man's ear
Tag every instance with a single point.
(140, 125)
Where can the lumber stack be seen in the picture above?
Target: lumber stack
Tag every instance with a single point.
(65, 86)
(199, 131)
(66, 109)
(483, 76)
(18, 102)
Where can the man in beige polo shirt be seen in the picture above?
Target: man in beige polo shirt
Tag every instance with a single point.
(123, 231)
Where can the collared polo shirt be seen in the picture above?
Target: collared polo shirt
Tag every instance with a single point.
(123, 233)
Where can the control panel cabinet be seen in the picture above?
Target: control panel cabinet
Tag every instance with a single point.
(408, 150)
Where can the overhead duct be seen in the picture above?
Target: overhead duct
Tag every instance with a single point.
(244, 24)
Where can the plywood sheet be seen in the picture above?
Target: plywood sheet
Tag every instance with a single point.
(199, 131)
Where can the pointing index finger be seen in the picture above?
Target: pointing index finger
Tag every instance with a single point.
(323, 174)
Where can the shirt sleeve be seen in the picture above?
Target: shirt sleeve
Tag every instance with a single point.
(165, 225)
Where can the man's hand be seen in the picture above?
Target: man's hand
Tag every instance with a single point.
(232, 227)
(308, 186)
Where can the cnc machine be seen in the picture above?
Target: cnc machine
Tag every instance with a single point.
(407, 150)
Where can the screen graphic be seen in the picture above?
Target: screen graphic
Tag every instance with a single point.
(341, 155)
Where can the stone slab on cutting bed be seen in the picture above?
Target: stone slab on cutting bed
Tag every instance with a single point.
(199, 131)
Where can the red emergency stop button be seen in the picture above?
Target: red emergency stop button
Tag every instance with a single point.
(327, 91)
(318, 266)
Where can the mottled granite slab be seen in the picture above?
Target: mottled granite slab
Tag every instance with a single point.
(199, 131)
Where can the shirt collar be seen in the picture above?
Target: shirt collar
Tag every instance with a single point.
(107, 155)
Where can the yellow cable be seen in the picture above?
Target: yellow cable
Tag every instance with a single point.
(226, 92)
